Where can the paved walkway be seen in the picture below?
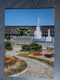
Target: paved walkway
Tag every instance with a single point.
(35, 68)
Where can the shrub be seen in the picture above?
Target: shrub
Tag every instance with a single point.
(7, 37)
(32, 47)
(8, 45)
(25, 47)
(49, 55)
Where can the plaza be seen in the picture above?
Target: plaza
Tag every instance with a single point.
(29, 44)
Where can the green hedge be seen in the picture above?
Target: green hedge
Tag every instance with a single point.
(32, 47)
(8, 45)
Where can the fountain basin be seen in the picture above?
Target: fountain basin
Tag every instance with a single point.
(48, 39)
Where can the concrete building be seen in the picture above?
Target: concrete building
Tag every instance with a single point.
(13, 30)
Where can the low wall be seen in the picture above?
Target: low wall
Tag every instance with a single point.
(19, 41)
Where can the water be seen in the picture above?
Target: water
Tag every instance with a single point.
(48, 38)
(37, 33)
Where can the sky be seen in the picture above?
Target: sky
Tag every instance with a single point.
(29, 17)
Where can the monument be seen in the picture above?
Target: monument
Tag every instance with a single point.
(24, 37)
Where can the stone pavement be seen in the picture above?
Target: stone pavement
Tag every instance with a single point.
(37, 69)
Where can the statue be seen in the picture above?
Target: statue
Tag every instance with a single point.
(23, 31)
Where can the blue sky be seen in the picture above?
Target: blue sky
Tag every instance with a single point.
(28, 17)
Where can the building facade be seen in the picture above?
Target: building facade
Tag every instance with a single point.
(14, 30)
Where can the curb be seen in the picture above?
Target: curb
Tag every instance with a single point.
(15, 75)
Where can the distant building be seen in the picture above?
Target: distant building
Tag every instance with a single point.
(44, 30)
(13, 30)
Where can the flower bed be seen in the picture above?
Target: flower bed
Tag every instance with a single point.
(37, 54)
(49, 55)
(9, 61)
(6, 59)
(13, 66)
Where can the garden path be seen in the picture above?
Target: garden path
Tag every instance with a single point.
(36, 69)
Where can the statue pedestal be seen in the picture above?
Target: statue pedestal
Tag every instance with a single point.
(20, 41)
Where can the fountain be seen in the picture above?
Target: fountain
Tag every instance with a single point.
(48, 38)
(37, 33)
